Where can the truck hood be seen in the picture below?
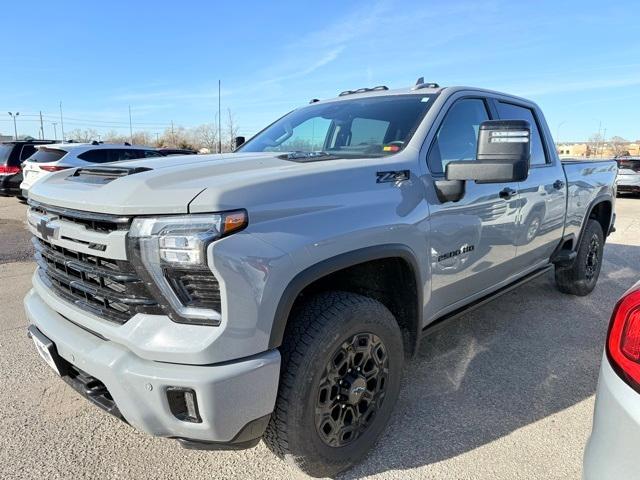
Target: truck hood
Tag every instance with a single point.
(168, 187)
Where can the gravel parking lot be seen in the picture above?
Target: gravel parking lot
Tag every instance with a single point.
(504, 393)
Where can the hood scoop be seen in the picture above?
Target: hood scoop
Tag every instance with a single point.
(103, 175)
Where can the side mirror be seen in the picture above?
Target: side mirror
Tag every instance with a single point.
(238, 141)
(504, 149)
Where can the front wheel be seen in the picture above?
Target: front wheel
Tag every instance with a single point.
(342, 361)
(581, 276)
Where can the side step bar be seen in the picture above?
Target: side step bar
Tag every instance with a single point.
(439, 323)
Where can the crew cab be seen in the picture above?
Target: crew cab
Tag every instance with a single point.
(275, 292)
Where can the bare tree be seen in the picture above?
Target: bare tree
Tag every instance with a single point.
(82, 135)
(206, 136)
(595, 141)
(619, 146)
(232, 131)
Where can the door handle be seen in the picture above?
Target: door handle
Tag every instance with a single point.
(558, 184)
(507, 193)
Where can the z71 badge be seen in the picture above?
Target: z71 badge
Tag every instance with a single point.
(392, 177)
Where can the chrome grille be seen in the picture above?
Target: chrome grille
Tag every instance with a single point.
(108, 288)
(99, 222)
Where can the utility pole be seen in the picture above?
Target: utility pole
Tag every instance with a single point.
(219, 121)
(55, 130)
(41, 127)
(173, 136)
(130, 127)
(157, 138)
(61, 122)
(15, 128)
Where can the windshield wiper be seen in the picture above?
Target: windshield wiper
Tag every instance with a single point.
(301, 154)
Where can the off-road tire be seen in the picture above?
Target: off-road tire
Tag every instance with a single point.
(581, 276)
(317, 330)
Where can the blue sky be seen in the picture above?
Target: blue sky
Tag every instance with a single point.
(580, 60)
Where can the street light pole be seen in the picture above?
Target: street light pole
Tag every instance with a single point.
(219, 121)
(61, 122)
(55, 131)
(15, 128)
(130, 127)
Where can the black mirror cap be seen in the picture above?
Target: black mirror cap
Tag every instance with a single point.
(238, 141)
(504, 140)
(502, 156)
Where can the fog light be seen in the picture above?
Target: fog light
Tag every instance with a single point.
(183, 404)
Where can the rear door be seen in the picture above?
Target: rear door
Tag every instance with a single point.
(472, 248)
(540, 221)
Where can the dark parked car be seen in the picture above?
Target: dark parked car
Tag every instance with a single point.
(12, 154)
(176, 151)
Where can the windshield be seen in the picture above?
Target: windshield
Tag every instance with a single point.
(633, 165)
(371, 127)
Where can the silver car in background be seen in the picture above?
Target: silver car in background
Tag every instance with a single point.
(628, 179)
(612, 451)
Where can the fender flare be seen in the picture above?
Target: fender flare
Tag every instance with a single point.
(334, 264)
(603, 197)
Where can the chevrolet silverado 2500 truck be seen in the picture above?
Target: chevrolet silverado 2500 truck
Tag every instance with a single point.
(275, 292)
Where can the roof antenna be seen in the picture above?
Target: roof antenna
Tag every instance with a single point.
(420, 81)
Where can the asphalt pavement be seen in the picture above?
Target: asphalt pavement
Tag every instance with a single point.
(505, 392)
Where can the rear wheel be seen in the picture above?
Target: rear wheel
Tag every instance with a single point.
(341, 368)
(581, 276)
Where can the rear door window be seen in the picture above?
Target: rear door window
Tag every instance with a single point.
(122, 154)
(101, 155)
(509, 111)
(47, 155)
(150, 153)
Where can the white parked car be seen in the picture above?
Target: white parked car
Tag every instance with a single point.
(61, 156)
(612, 451)
(628, 179)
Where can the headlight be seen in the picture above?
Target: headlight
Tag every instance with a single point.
(172, 250)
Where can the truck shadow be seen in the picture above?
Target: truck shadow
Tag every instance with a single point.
(521, 358)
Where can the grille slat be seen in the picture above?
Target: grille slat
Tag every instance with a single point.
(196, 289)
(110, 289)
(98, 222)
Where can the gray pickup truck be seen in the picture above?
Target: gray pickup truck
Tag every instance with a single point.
(274, 293)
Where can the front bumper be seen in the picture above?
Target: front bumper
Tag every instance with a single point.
(612, 449)
(234, 398)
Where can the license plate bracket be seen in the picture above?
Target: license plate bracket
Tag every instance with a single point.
(47, 350)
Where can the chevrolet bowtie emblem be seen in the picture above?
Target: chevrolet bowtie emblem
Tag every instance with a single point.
(45, 230)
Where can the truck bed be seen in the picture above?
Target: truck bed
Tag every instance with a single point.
(586, 181)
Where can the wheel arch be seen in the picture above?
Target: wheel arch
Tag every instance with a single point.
(362, 271)
(600, 209)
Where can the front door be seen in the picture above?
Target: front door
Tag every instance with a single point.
(472, 244)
